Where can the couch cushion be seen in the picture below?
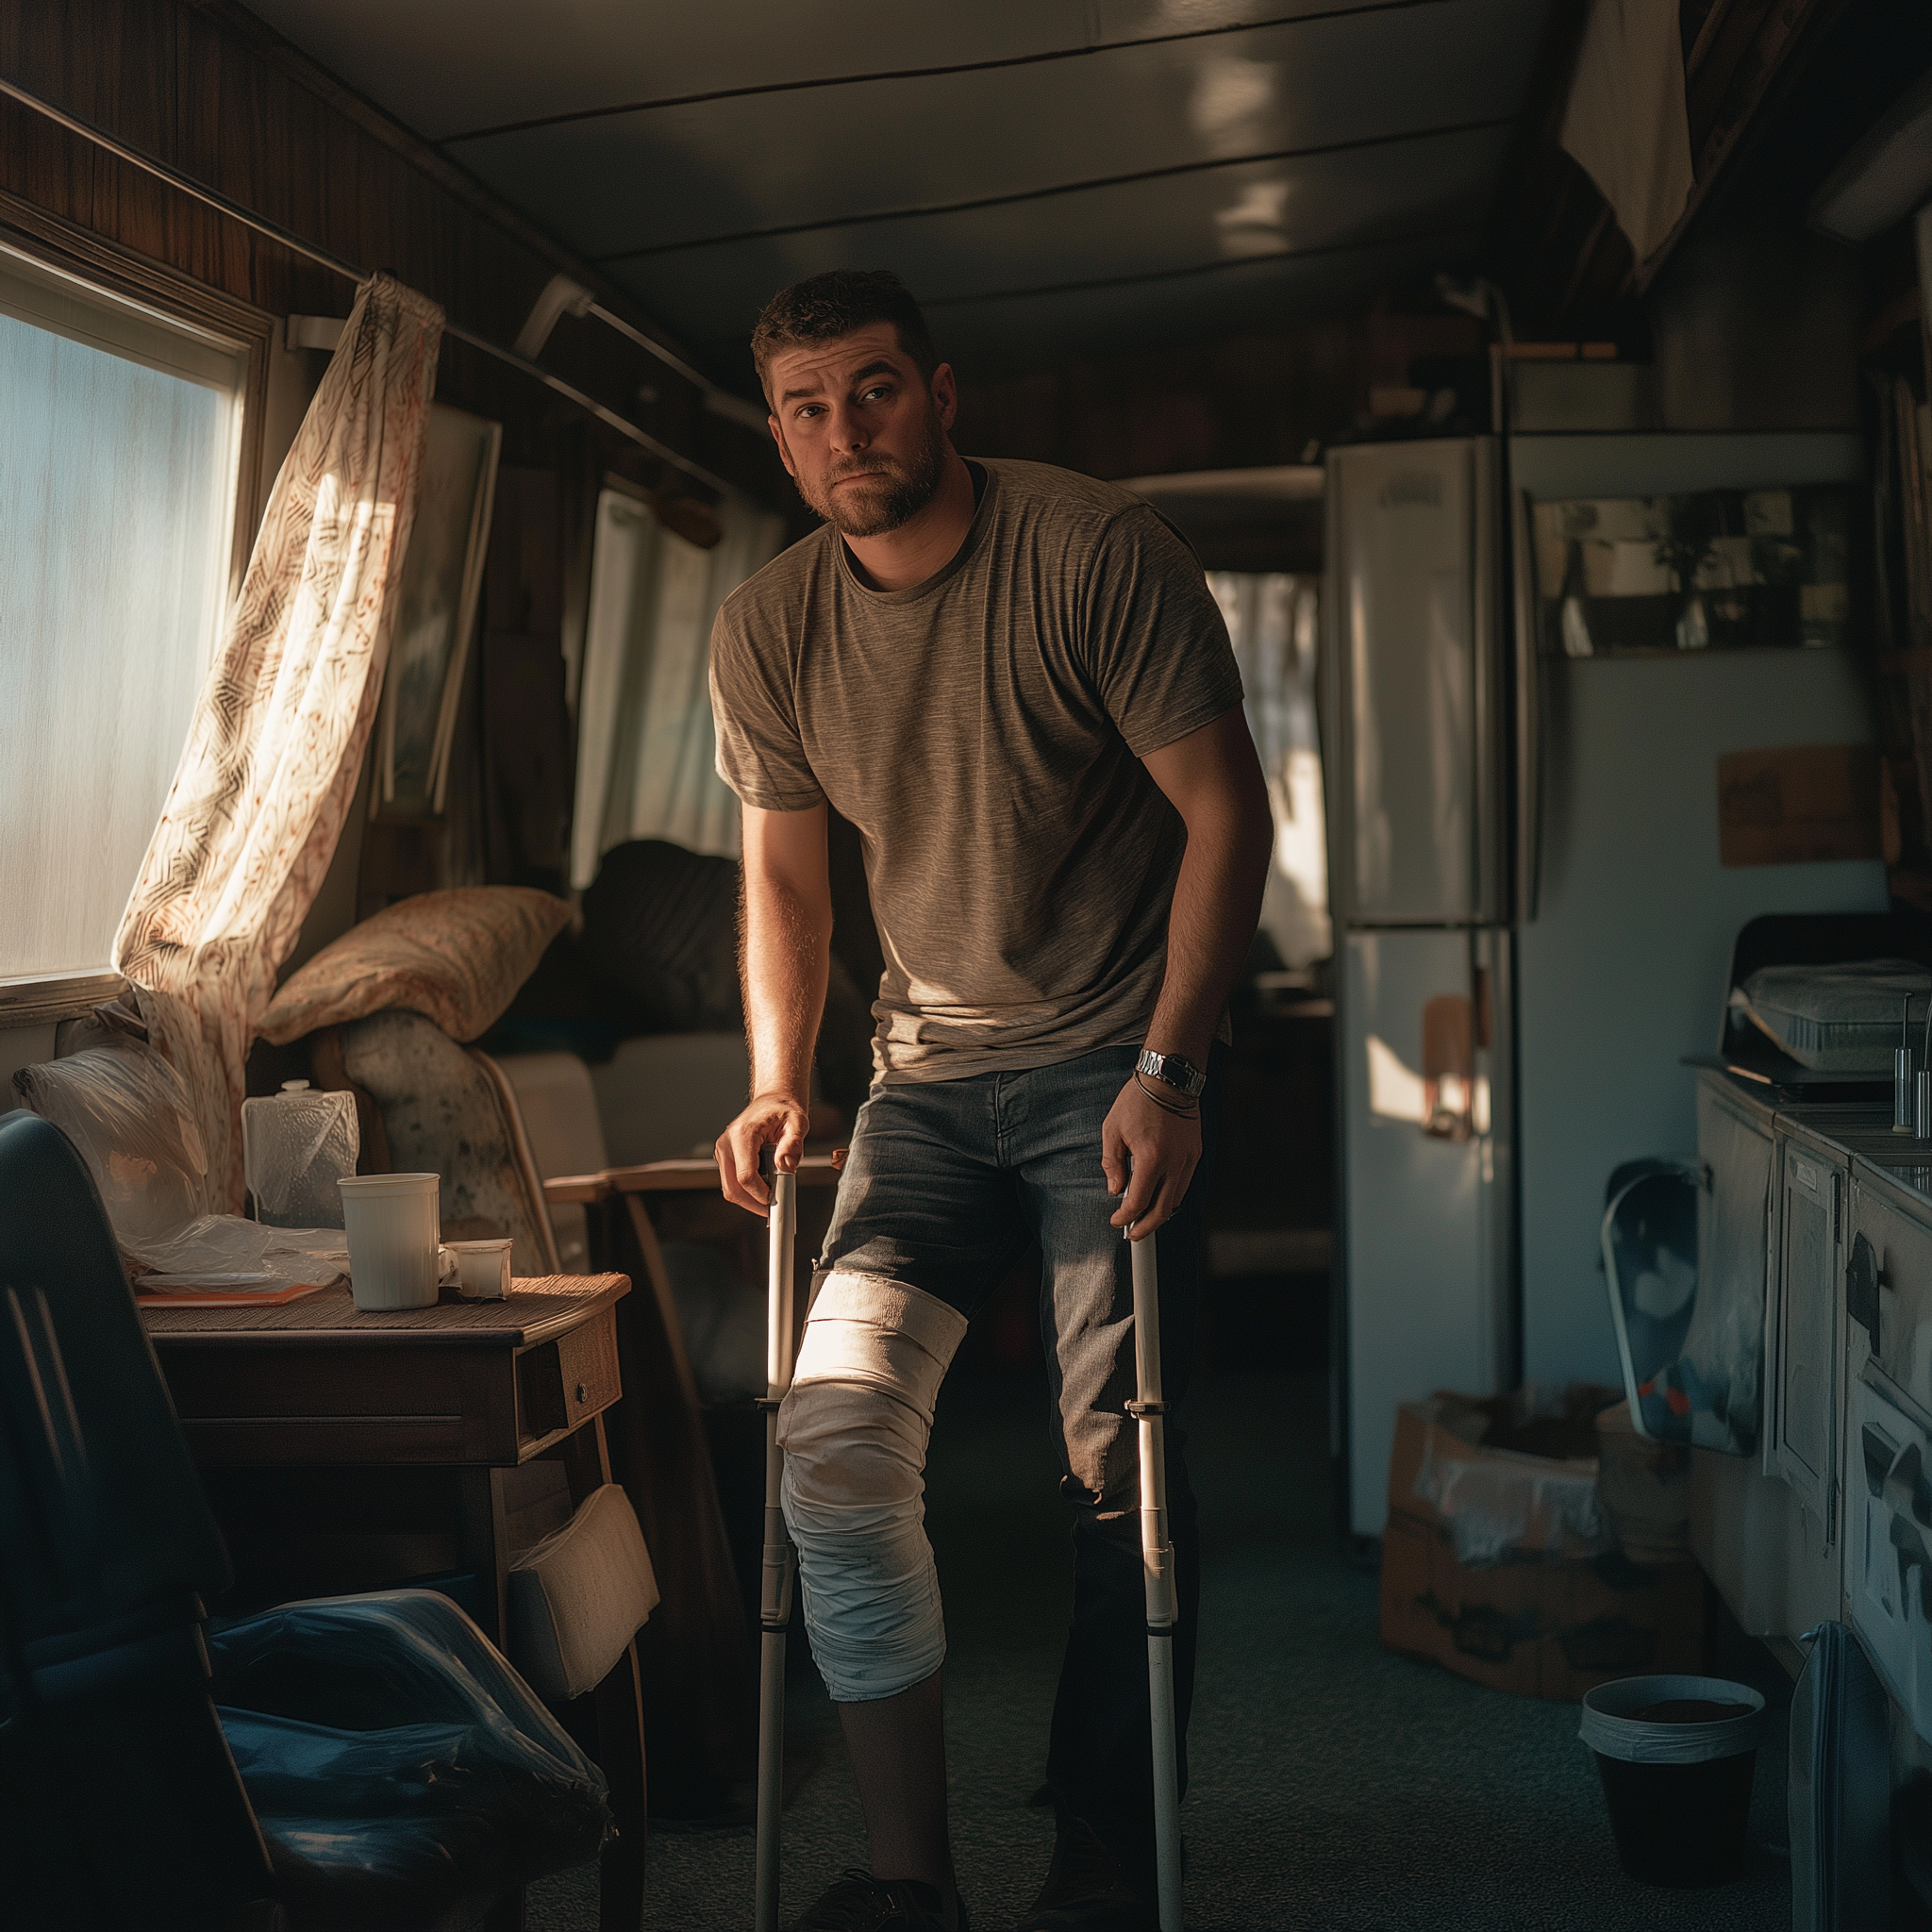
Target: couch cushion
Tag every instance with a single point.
(579, 1596)
(455, 956)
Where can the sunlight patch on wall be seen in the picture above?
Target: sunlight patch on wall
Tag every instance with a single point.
(1397, 1092)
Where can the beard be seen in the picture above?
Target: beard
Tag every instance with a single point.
(895, 499)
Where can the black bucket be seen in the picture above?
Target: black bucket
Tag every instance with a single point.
(1676, 1755)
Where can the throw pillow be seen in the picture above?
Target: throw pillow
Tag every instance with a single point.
(457, 957)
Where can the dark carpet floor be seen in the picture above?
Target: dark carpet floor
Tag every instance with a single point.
(1336, 1785)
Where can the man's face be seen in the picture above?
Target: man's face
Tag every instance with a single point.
(863, 435)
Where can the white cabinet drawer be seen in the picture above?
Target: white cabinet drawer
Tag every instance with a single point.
(1888, 1536)
(1725, 1345)
(1902, 1247)
(1804, 1363)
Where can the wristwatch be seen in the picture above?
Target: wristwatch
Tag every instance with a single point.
(1173, 1071)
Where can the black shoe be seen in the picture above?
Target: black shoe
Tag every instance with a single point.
(861, 1903)
(1088, 1889)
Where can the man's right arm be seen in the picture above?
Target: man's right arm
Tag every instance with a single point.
(785, 960)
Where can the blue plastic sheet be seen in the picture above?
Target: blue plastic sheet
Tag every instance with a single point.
(403, 1773)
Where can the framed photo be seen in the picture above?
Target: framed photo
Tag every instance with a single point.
(1714, 569)
(436, 614)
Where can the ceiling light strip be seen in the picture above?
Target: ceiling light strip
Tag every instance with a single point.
(275, 232)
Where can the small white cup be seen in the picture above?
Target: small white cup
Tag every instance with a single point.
(392, 1221)
(482, 1268)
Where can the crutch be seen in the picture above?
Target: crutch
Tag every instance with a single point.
(775, 1595)
(1157, 1565)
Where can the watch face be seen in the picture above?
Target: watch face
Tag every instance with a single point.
(1171, 1070)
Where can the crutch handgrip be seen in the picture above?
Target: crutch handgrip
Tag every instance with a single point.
(783, 1220)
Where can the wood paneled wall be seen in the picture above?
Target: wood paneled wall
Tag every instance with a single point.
(213, 92)
(1240, 403)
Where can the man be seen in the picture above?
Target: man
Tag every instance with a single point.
(1014, 682)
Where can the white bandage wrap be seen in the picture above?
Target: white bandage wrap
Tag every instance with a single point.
(853, 1429)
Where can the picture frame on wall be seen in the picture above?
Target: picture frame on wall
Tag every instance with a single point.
(436, 614)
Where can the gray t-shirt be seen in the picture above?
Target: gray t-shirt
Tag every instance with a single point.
(984, 732)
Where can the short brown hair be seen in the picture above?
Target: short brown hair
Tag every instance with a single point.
(825, 307)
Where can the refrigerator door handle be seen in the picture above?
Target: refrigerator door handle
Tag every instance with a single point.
(1449, 1040)
(1488, 593)
(1529, 720)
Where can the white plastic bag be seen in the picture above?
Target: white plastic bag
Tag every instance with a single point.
(216, 1251)
(125, 1108)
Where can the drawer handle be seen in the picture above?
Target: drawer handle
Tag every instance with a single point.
(583, 1392)
(1863, 1279)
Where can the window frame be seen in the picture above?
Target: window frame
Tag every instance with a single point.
(232, 325)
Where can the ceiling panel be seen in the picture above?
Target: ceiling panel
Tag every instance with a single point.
(1105, 174)
(670, 175)
(447, 67)
(1203, 226)
(992, 339)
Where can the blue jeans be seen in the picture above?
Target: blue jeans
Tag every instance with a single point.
(947, 1185)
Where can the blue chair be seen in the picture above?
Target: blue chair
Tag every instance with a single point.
(376, 1763)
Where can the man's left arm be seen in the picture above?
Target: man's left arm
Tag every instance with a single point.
(1151, 1144)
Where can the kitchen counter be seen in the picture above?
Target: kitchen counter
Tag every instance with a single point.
(1815, 1230)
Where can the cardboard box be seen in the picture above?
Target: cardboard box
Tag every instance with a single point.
(1644, 1486)
(1497, 1563)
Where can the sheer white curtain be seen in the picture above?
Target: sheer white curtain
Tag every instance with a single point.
(1273, 620)
(117, 488)
(646, 746)
(277, 740)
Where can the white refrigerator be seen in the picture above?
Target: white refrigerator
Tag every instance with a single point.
(1533, 927)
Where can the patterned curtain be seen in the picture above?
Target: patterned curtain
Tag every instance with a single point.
(276, 742)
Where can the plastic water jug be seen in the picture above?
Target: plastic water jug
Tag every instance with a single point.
(296, 1146)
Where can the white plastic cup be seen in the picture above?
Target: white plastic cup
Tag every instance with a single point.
(393, 1222)
(482, 1268)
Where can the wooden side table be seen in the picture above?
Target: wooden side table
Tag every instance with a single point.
(344, 1451)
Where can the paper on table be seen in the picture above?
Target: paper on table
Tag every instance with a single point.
(211, 1280)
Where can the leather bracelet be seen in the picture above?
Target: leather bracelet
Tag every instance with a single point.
(1184, 1113)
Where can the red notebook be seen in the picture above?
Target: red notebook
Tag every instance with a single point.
(233, 1298)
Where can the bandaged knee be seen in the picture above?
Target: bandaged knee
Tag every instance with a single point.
(855, 1429)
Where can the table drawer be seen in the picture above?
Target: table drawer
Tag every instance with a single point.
(565, 1382)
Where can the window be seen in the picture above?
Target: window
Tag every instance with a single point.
(1272, 619)
(646, 746)
(118, 471)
